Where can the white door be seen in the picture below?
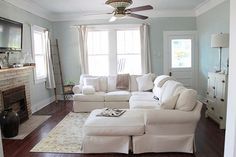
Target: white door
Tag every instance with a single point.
(181, 57)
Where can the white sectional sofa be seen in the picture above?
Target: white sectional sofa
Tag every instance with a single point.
(163, 120)
(107, 94)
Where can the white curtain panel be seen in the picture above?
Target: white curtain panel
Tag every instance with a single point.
(145, 48)
(83, 49)
(50, 82)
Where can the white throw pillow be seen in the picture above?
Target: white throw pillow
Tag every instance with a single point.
(77, 89)
(145, 82)
(111, 83)
(87, 90)
(92, 82)
(170, 103)
(83, 77)
(187, 100)
(103, 83)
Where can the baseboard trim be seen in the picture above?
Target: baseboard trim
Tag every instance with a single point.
(42, 104)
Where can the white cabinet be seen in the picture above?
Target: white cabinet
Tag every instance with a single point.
(217, 98)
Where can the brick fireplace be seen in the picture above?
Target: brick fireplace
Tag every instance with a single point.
(15, 99)
(15, 90)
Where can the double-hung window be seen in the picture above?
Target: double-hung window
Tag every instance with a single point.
(128, 51)
(98, 52)
(39, 36)
(114, 51)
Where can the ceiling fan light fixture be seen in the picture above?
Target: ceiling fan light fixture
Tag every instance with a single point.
(119, 3)
(119, 15)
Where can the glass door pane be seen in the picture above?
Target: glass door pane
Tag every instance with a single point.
(181, 52)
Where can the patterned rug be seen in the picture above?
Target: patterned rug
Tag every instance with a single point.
(66, 137)
(28, 126)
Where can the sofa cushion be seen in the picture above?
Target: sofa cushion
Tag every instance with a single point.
(169, 89)
(96, 97)
(160, 80)
(88, 90)
(145, 82)
(144, 96)
(144, 104)
(143, 93)
(170, 103)
(187, 100)
(128, 124)
(143, 101)
(117, 96)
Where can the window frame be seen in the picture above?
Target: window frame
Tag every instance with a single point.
(38, 80)
(113, 51)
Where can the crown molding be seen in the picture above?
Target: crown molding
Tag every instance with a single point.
(206, 6)
(84, 17)
(173, 13)
(33, 8)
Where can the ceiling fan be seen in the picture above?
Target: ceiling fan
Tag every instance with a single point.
(120, 9)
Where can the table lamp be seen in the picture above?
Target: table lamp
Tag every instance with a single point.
(220, 40)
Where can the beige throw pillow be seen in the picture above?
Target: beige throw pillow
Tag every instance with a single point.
(170, 103)
(187, 100)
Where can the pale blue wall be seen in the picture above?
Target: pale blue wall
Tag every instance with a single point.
(38, 91)
(215, 20)
(68, 41)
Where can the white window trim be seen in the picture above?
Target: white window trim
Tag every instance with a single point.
(36, 28)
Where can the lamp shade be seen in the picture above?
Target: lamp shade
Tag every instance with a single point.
(220, 40)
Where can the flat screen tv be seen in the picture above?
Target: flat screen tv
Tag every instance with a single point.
(10, 35)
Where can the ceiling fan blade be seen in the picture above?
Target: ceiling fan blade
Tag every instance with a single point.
(146, 7)
(112, 19)
(137, 16)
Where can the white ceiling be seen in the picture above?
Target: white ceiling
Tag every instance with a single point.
(92, 6)
(65, 10)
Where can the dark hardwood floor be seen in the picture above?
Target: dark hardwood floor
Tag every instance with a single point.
(209, 139)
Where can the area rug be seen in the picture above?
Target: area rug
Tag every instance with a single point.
(28, 126)
(66, 137)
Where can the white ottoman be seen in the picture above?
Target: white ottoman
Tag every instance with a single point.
(112, 134)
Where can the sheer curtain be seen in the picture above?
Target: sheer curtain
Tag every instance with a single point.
(145, 48)
(83, 49)
(50, 81)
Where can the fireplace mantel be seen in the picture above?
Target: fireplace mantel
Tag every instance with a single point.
(15, 77)
(15, 69)
(9, 70)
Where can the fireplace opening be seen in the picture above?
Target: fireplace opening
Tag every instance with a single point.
(15, 98)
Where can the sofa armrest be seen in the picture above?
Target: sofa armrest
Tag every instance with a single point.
(153, 117)
(77, 89)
